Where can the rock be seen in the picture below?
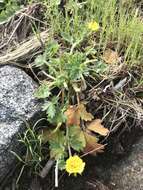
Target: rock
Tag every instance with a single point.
(17, 105)
(127, 174)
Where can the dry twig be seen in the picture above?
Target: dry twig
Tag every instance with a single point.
(25, 50)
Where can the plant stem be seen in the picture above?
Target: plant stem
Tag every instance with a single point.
(56, 174)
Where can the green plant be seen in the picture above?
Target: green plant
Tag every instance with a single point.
(74, 52)
(65, 73)
(31, 140)
(120, 22)
(8, 8)
(34, 149)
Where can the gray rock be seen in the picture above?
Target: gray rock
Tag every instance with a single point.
(128, 173)
(17, 105)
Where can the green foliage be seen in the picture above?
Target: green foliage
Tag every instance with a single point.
(61, 164)
(57, 145)
(2, 5)
(52, 48)
(50, 51)
(43, 91)
(100, 67)
(8, 8)
(76, 138)
(55, 112)
(34, 149)
(120, 22)
(50, 107)
(65, 68)
(40, 60)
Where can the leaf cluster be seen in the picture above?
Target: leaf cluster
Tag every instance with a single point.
(64, 67)
(65, 71)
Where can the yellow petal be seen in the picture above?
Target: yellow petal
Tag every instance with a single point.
(74, 164)
(93, 26)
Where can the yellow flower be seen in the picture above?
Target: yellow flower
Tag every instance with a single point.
(93, 26)
(74, 164)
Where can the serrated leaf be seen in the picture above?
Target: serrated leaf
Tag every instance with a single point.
(57, 137)
(92, 145)
(40, 60)
(86, 116)
(61, 164)
(75, 113)
(82, 139)
(73, 118)
(57, 153)
(76, 138)
(57, 145)
(50, 109)
(97, 127)
(100, 67)
(60, 117)
(43, 91)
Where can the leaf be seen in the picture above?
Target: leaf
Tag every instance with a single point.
(97, 127)
(61, 164)
(74, 113)
(57, 145)
(84, 114)
(40, 60)
(57, 137)
(100, 67)
(50, 109)
(82, 139)
(110, 56)
(74, 66)
(43, 91)
(57, 153)
(59, 117)
(44, 135)
(52, 48)
(67, 37)
(139, 93)
(76, 138)
(8, 8)
(92, 145)
(73, 118)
